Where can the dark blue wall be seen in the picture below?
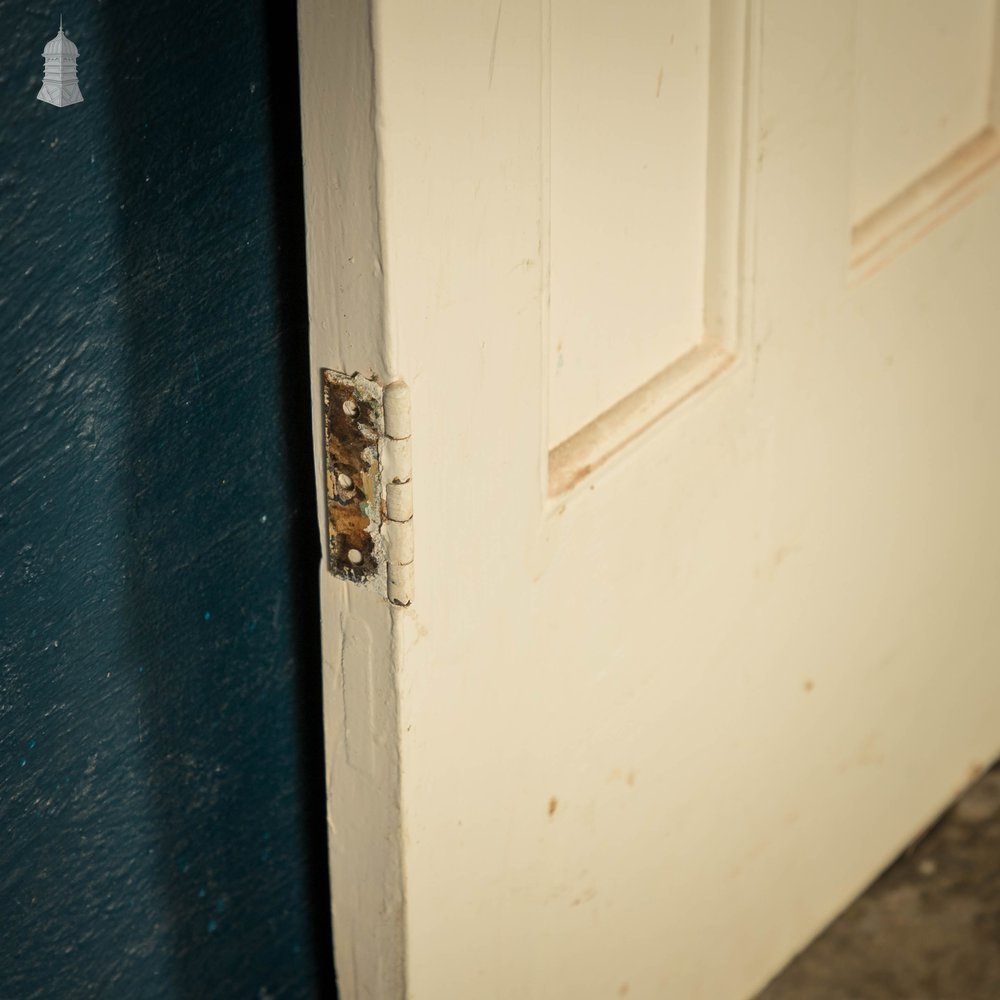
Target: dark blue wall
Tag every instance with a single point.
(161, 789)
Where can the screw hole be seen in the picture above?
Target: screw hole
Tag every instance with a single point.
(350, 408)
(345, 482)
(354, 557)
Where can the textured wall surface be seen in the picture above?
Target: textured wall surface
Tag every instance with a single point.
(161, 789)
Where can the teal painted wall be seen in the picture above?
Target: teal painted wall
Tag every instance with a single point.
(161, 786)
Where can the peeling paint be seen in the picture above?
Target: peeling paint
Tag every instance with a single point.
(353, 425)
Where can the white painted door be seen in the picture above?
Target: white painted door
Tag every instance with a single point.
(697, 302)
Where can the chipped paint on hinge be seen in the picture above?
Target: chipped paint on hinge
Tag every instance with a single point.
(353, 428)
(369, 492)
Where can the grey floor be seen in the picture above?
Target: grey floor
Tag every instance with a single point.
(928, 929)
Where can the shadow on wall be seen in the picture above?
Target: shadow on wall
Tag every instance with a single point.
(223, 604)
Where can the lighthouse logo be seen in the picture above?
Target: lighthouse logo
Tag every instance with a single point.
(59, 85)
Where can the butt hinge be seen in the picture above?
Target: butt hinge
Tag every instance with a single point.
(369, 488)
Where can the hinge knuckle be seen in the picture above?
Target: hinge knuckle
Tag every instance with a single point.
(396, 402)
(400, 583)
(399, 501)
(396, 460)
(399, 540)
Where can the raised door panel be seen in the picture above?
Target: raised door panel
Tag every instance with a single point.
(924, 141)
(640, 139)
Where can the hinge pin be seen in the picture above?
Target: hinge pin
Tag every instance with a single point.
(397, 473)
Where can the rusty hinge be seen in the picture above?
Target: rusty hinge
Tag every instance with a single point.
(369, 498)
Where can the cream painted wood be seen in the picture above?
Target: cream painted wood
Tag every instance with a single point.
(646, 737)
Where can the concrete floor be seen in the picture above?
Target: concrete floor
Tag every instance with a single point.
(928, 929)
